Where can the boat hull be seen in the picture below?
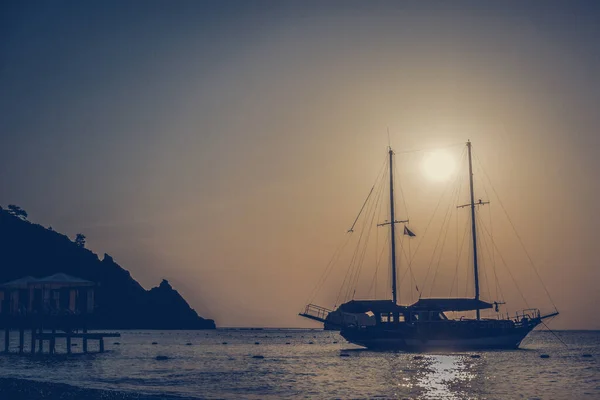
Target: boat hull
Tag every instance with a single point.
(414, 339)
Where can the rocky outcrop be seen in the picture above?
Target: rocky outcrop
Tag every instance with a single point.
(122, 303)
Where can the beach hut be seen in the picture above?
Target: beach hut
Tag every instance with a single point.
(14, 294)
(55, 294)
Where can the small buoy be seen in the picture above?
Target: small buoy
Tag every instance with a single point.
(544, 356)
(154, 342)
(256, 342)
(259, 357)
(224, 343)
(287, 343)
(161, 358)
(188, 344)
(344, 355)
(586, 355)
(116, 343)
(475, 356)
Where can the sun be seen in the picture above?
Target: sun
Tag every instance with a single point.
(438, 165)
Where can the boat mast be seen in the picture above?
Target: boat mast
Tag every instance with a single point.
(473, 229)
(393, 231)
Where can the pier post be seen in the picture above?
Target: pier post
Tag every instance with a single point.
(101, 345)
(6, 339)
(33, 340)
(41, 341)
(68, 343)
(21, 339)
(85, 340)
(52, 348)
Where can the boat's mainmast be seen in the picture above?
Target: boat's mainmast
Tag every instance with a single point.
(392, 224)
(473, 228)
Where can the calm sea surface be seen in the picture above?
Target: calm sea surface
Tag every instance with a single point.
(307, 364)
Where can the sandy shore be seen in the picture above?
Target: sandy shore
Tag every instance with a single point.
(22, 389)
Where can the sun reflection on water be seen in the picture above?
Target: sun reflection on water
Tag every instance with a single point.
(445, 377)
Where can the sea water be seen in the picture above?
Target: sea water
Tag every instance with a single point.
(318, 364)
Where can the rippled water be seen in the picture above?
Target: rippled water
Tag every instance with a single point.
(308, 364)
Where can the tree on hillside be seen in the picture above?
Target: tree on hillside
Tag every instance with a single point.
(17, 211)
(80, 240)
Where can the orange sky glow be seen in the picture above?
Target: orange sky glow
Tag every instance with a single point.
(230, 155)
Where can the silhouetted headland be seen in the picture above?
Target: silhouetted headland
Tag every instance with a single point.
(28, 249)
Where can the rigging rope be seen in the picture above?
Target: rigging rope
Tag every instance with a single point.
(408, 269)
(459, 247)
(439, 202)
(486, 247)
(508, 269)
(431, 148)
(462, 244)
(351, 267)
(517, 234)
(493, 257)
(340, 248)
(493, 254)
(329, 268)
(354, 265)
(377, 263)
(364, 251)
(483, 271)
(555, 335)
(470, 272)
(408, 259)
(441, 249)
(361, 210)
(447, 218)
(374, 280)
(367, 199)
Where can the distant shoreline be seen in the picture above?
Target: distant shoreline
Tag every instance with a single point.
(239, 328)
(314, 329)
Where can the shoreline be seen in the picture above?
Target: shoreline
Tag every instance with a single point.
(27, 389)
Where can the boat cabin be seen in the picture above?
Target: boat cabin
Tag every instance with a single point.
(380, 312)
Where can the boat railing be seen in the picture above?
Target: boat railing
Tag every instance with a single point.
(316, 312)
(526, 315)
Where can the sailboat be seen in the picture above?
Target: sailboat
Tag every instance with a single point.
(425, 324)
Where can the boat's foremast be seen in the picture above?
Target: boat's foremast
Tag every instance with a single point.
(393, 230)
(392, 224)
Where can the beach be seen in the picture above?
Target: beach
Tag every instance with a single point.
(25, 389)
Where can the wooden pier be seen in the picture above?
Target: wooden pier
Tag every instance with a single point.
(38, 337)
(58, 306)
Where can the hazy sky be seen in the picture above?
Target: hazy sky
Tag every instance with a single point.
(227, 146)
